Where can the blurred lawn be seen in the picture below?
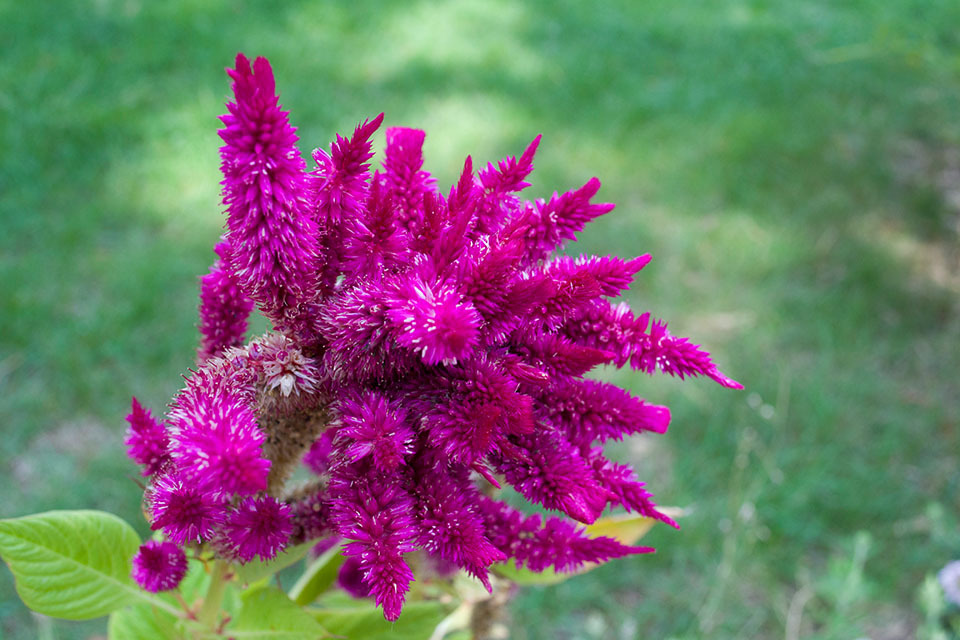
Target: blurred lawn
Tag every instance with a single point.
(794, 168)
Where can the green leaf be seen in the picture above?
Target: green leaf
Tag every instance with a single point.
(319, 576)
(195, 584)
(527, 578)
(73, 564)
(258, 569)
(361, 620)
(142, 622)
(268, 614)
(627, 528)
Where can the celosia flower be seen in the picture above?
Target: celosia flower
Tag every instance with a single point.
(147, 440)
(256, 527)
(451, 524)
(223, 308)
(375, 514)
(217, 443)
(375, 428)
(272, 234)
(427, 345)
(159, 566)
(186, 511)
(554, 543)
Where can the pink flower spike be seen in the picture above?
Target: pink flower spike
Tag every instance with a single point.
(147, 440)
(218, 444)
(184, 510)
(435, 322)
(372, 426)
(271, 230)
(224, 308)
(159, 566)
(402, 171)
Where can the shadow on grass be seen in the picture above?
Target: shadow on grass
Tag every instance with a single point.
(752, 148)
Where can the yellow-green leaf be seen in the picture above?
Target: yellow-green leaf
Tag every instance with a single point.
(361, 620)
(258, 569)
(627, 528)
(319, 576)
(268, 614)
(73, 564)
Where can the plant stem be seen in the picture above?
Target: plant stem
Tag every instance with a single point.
(214, 598)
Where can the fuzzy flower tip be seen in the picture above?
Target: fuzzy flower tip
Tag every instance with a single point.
(218, 444)
(147, 440)
(271, 230)
(159, 566)
(257, 527)
(224, 308)
(185, 511)
(430, 345)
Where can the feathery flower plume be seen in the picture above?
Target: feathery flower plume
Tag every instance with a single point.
(224, 308)
(147, 440)
(256, 527)
(272, 234)
(218, 444)
(430, 346)
(375, 514)
(159, 566)
(185, 511)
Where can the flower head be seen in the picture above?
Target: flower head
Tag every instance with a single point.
(147, 440)
(256, 527)
(159, 566)
(186, 511)
(430, 346)
(224, 308)
(272, 234)
(218, 444)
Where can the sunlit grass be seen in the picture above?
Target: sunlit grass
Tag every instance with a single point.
(787, 164)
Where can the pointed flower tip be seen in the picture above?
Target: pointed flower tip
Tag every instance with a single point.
(366, 128)
(532, 148)
(264, 73)
(639, 262)
(723, 380)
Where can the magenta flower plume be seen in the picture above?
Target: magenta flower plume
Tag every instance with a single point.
(376, 428)
(185, 511)
(430, 346)
(218, 444)
(337, 194)
(375, 514)
(553, 543)
(451, 525)
(224, 308)
(617, 329)
(256, 527)
(271, 230)
(434, 321)
(147, 440)
(159, 566)
(402, 171)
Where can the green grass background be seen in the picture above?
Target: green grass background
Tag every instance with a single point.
(793, 167)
